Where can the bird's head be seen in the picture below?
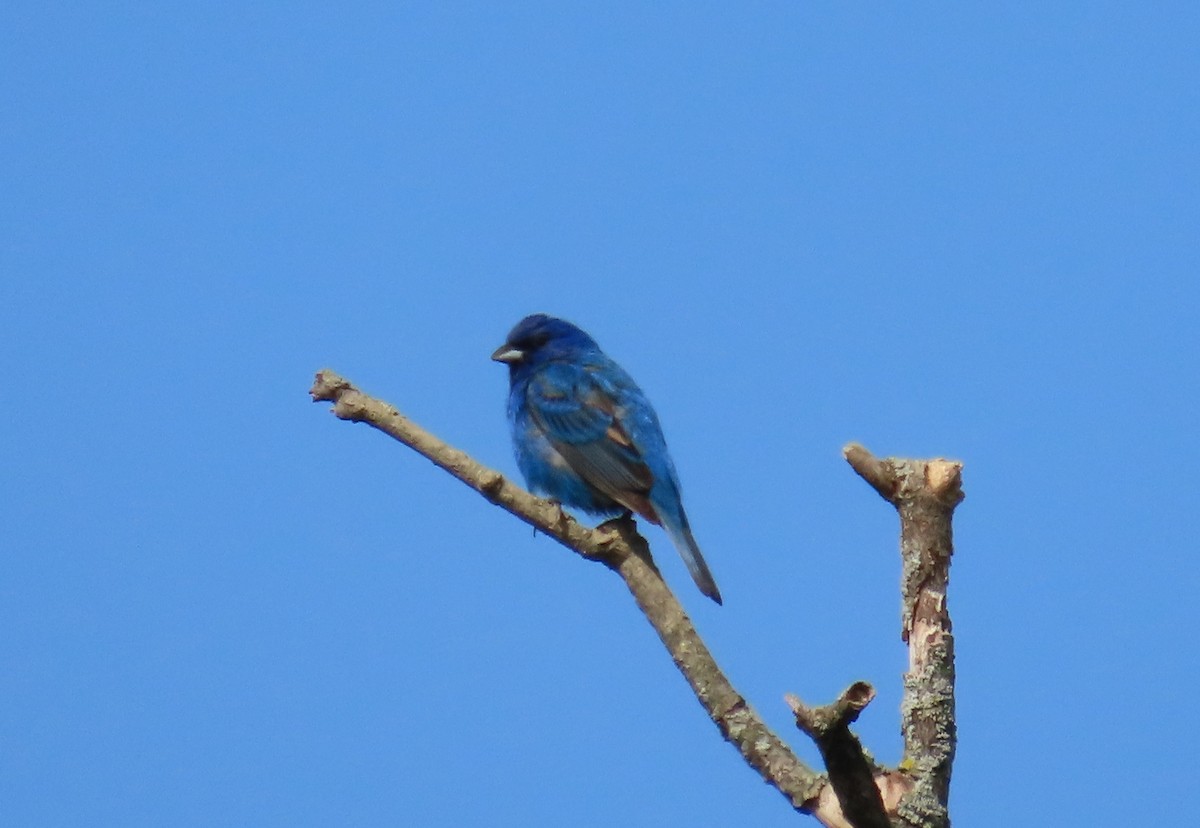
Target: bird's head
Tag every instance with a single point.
(540, 338)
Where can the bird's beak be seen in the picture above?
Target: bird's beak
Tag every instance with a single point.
(509, 354)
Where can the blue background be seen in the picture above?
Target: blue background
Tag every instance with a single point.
(968, 232)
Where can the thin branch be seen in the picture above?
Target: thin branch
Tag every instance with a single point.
(925, 494)
(737, 720)
(618, 546)
(851, 774)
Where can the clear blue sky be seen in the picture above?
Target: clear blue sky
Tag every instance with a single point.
(934, 230)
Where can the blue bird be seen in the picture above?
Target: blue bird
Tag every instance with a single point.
(585, 434)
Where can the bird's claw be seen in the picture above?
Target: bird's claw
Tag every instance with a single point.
(614, 524)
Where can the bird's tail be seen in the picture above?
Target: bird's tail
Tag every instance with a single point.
(681, 536)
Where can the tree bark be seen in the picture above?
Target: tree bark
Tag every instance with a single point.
(925, 494)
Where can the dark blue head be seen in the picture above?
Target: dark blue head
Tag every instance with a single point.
(539, 338)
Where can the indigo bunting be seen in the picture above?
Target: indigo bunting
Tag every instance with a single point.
(585, 434)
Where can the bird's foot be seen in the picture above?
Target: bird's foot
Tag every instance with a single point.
(562, 514)
(614, 524)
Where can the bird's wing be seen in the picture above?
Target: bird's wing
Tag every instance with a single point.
(581, 418)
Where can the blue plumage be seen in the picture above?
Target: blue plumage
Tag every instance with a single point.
(585, 434)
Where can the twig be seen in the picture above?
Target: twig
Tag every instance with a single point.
(851, 775)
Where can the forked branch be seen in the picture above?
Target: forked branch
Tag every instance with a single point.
(860, 795)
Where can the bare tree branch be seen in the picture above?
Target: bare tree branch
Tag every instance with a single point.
(618, 546)
(925, 494)
(857, 793)
(736, 719)
(851, 774)
(860, 793)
